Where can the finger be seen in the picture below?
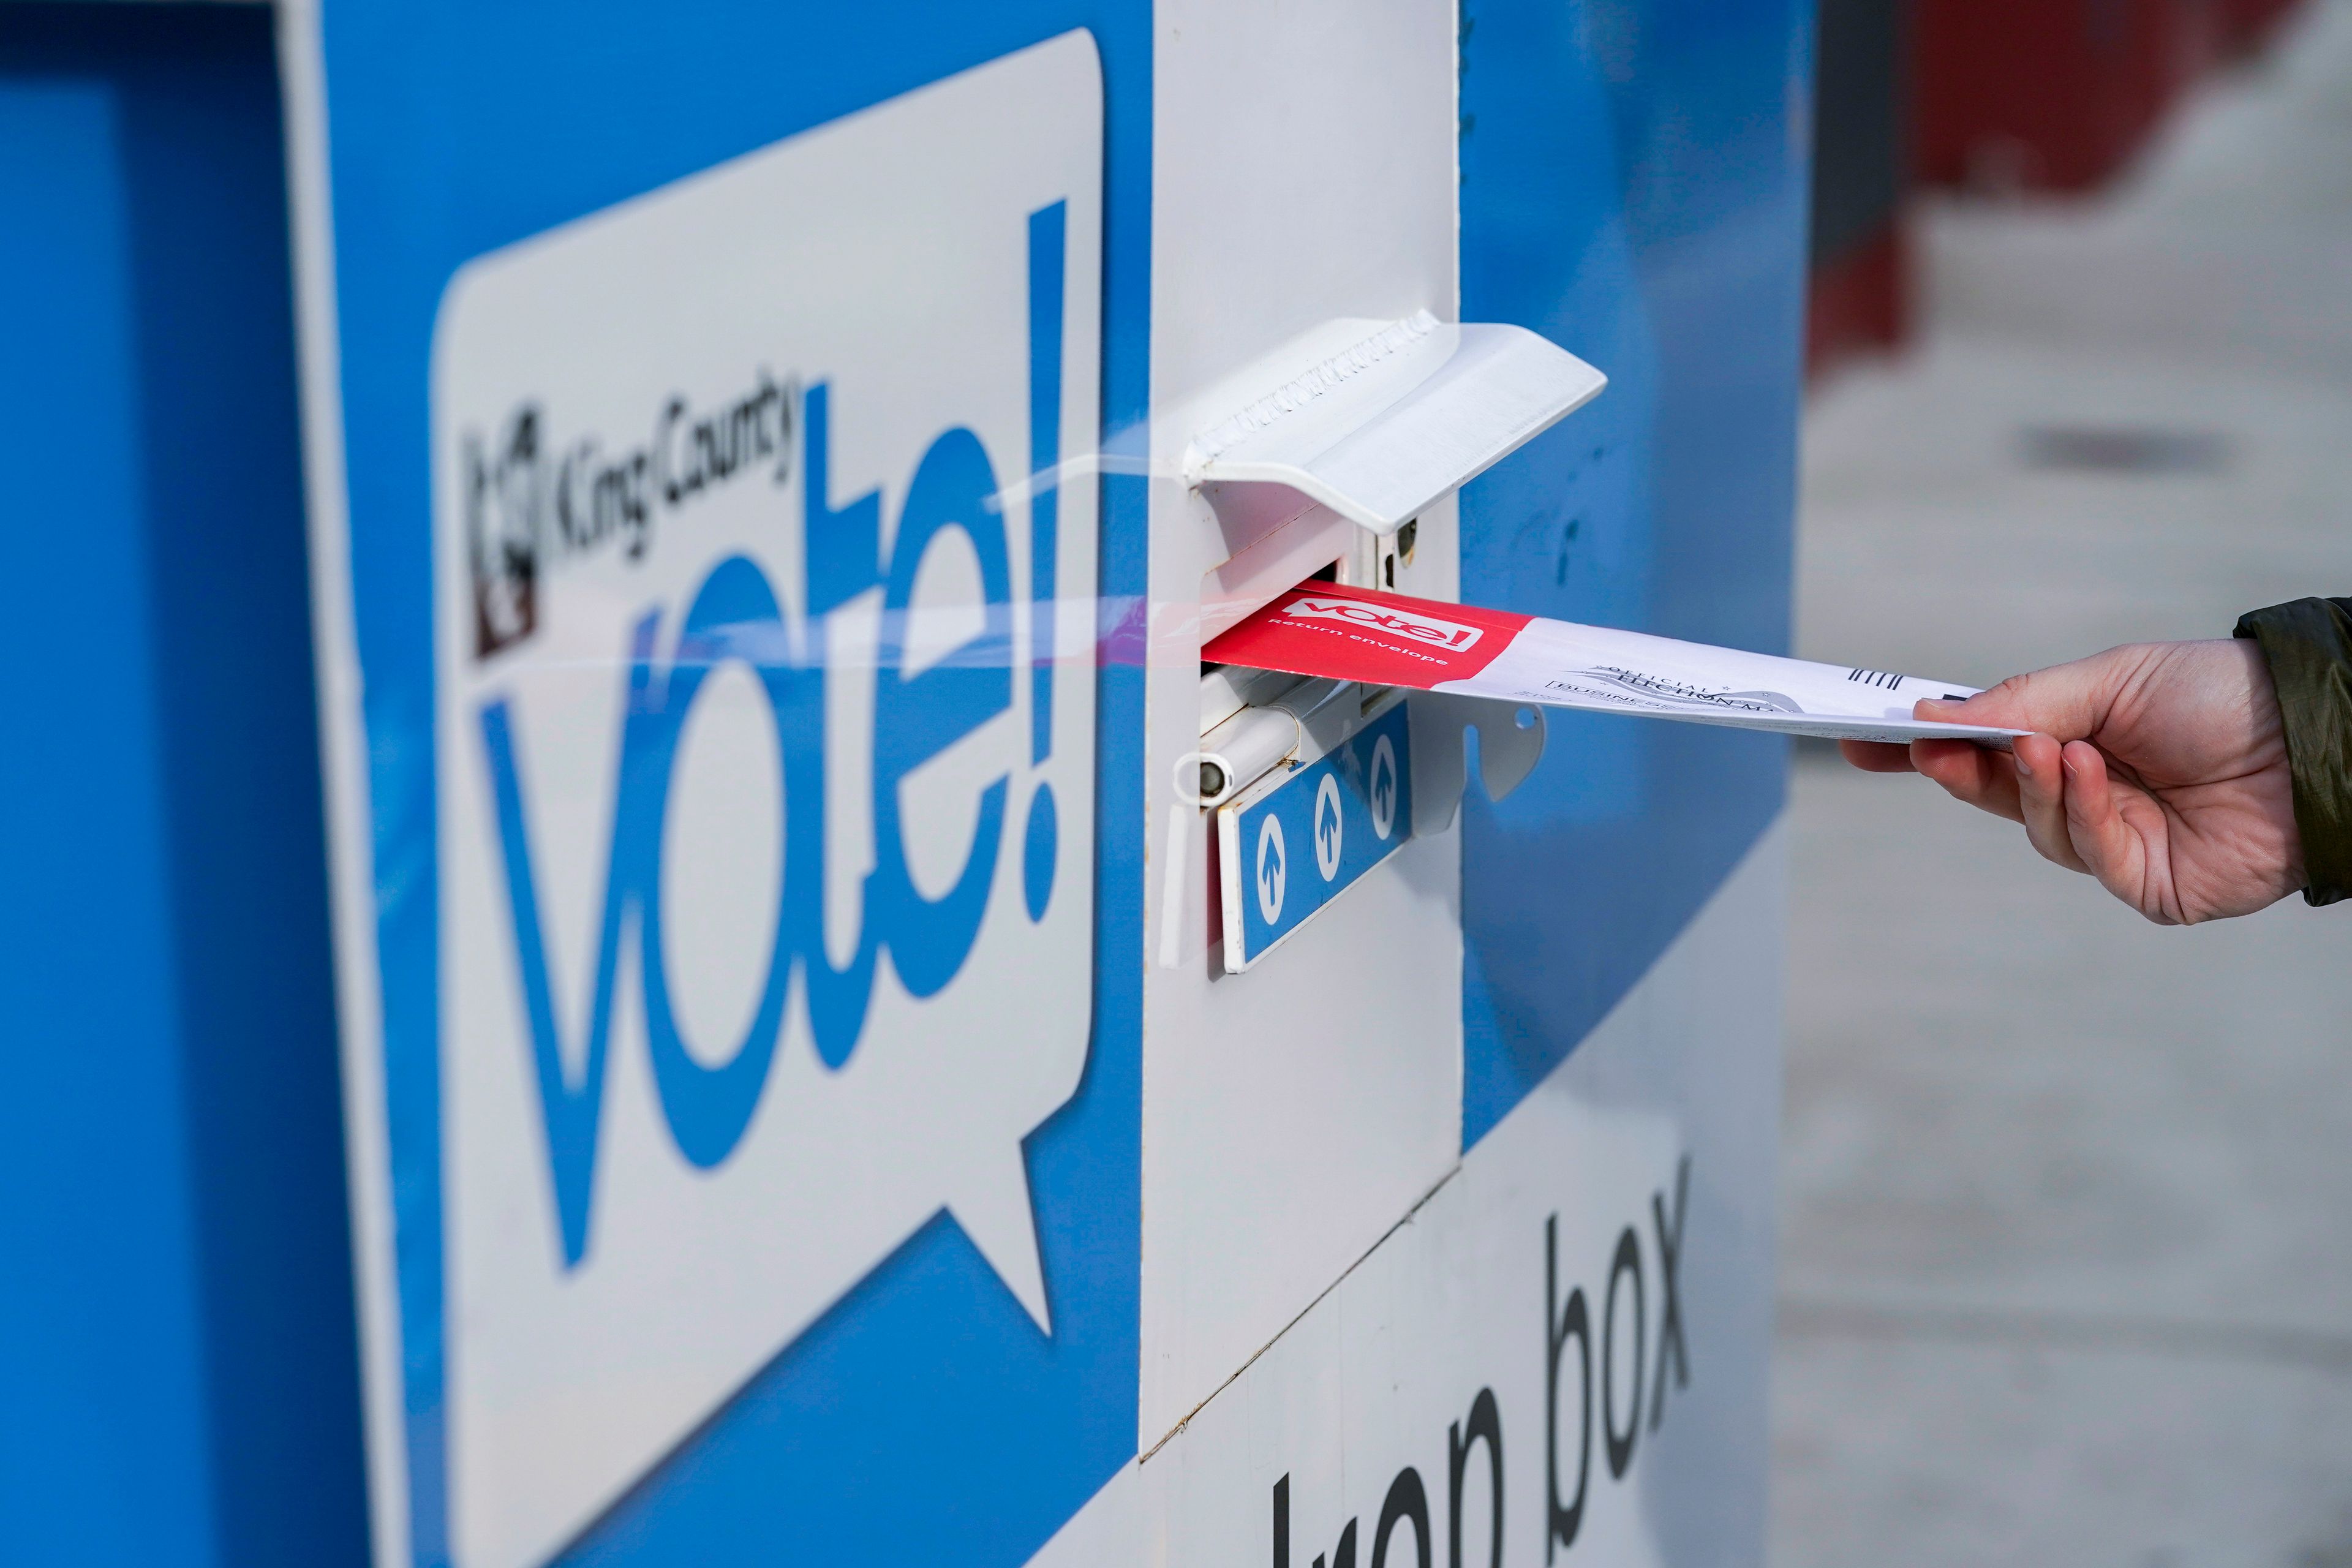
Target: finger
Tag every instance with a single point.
(2104, 841)
(1873, 757)
(2065, 700)
(1986, 780)
(2041, 797)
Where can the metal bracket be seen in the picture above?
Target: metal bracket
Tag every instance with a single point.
(1507, 751)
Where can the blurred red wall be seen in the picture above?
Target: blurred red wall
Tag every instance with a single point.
(2056, 95)
(1991, 95)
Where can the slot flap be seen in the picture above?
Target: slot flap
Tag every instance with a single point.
(1411, 412)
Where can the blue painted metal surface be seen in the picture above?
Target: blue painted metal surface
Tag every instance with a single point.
(1634, 178)
(177, 1370)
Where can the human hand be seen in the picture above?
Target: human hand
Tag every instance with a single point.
(2159, 768)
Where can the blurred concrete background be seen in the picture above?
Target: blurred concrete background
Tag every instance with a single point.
(2067, 1245)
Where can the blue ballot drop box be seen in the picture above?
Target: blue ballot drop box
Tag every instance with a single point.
(631, 908)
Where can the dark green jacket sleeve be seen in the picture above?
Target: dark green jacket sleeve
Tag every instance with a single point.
(2308, 645)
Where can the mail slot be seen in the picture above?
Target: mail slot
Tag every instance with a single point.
(1357, 429)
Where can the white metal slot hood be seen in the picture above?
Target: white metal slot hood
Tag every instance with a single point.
(1411, 413)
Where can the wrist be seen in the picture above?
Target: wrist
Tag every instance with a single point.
(2305, 656)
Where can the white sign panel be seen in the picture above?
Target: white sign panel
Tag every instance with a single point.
(1559, 1357)
(767, 762)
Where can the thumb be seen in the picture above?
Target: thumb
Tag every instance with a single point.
(2065, 700)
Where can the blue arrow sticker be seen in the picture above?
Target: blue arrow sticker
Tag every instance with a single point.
(1293, 848)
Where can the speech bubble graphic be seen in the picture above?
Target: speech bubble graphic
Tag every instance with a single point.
(766, 763)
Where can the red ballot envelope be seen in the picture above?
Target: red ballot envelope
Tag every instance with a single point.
(1389, 639)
